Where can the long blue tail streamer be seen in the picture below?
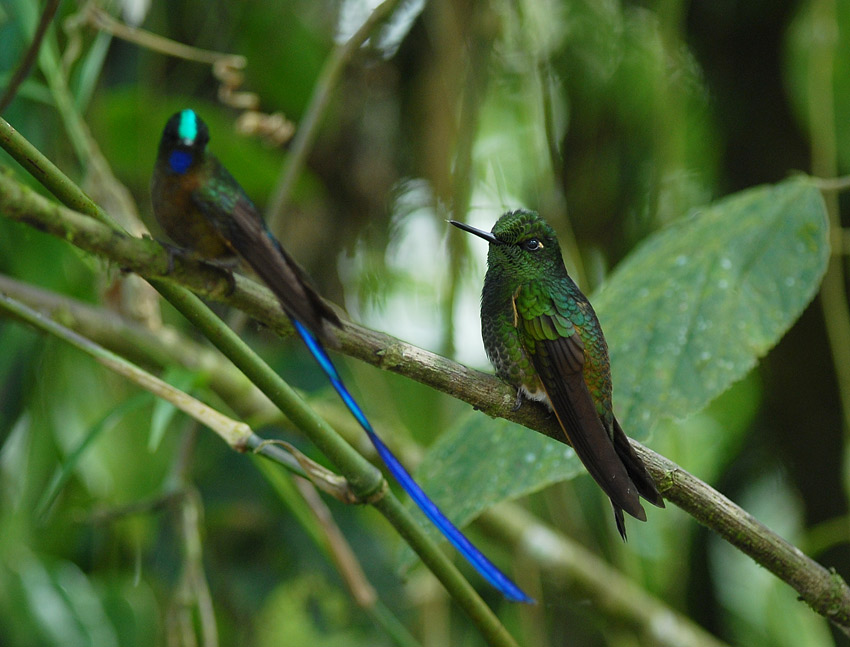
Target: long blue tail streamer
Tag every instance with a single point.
(488, 570)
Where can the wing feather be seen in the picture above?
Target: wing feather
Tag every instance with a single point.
(240, 223)
(557, 353)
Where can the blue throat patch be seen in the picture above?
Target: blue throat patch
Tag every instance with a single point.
(180, 161)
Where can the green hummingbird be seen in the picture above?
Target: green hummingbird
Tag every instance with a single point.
(543, 337)
(203, 208)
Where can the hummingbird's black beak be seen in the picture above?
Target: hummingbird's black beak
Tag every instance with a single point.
(486, 235)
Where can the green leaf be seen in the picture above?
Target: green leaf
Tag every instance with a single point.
(481, 461)
(64, 473)
(686, 315)
(59, 600)
(692, 309)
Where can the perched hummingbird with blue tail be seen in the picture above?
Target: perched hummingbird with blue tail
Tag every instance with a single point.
(543, 337)
(204, 209)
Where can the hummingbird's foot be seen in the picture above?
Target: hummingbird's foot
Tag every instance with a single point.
(518, 402)
(227, 272)
(171, 252)
(225, 262)
(227, 265)
(231, 281)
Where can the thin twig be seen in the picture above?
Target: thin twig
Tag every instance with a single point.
(824, 148)
(346, 562)
(308, 127)
(236, 434)
(98, 18)
(195, 589)
(30, 56)
(228, 68)
(832, 183)
(158, 348)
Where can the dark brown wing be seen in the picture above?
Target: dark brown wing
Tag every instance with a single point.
(559, 363)
(635, 467)
(240, 223)
(557, 353)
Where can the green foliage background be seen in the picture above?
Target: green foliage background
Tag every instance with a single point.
(621, 122)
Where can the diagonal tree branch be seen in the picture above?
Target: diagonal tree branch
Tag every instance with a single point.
(29, 57)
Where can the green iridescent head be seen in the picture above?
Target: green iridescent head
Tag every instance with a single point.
(184, 140)
(521, 242)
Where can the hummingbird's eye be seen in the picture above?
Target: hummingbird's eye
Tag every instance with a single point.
(532, 245)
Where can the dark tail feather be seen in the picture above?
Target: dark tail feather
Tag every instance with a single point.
(474, 556)
(621, 522)
(635, 468)
(293, 288)
(243, 227)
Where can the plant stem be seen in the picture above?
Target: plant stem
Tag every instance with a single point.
(308, 127)
(595, 581)
(824, 151)
(29, 57)
(48, 174)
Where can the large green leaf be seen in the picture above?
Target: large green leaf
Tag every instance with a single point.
(693, 308)
(686, 315)
(482, 461)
